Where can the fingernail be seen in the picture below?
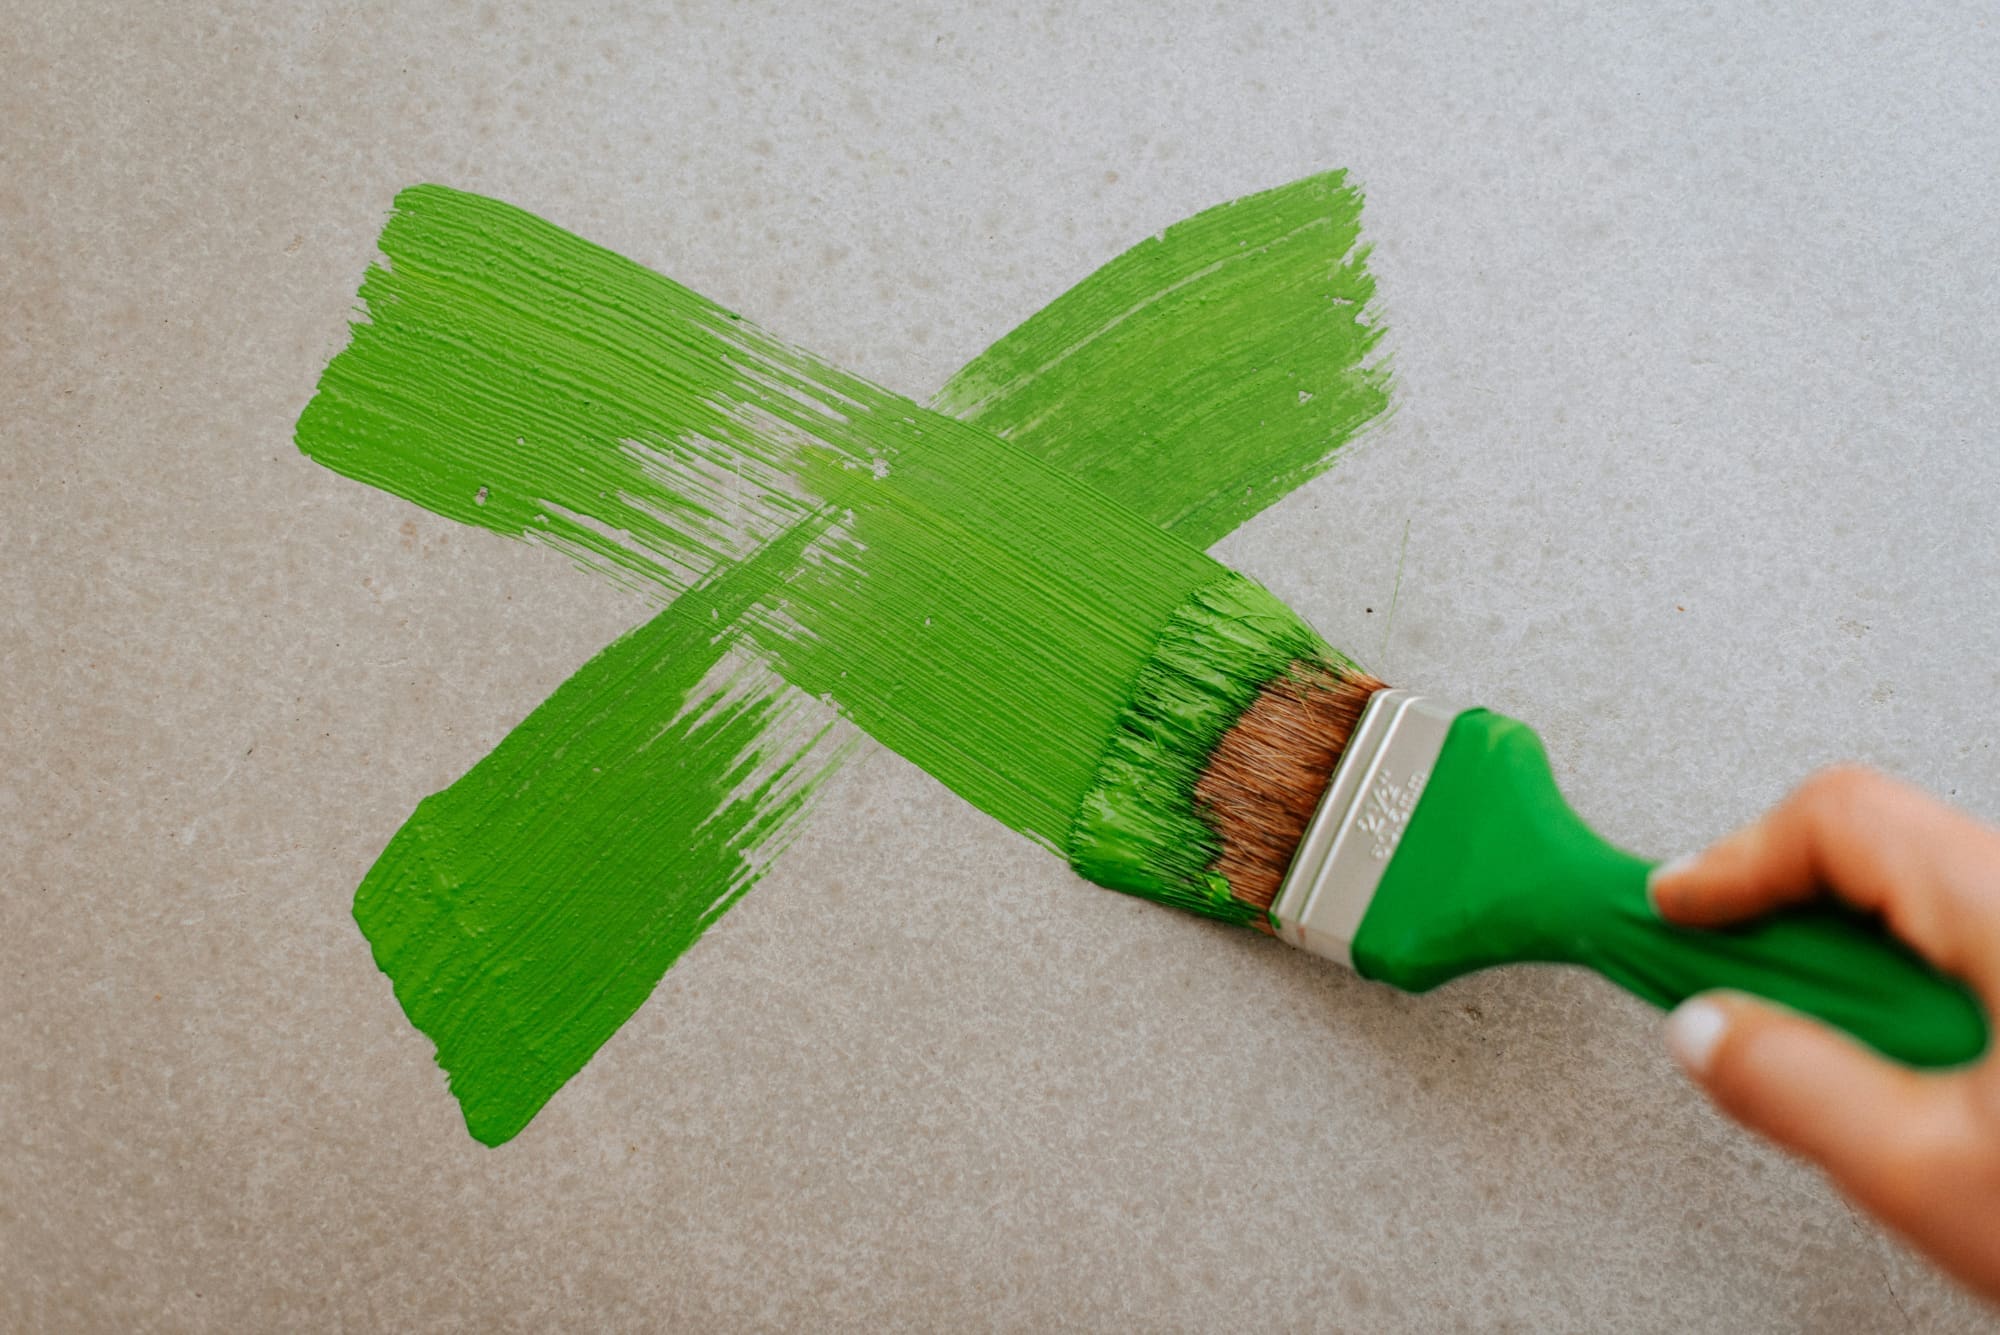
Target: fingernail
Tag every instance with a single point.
(1666, 869)
(1693, 1030)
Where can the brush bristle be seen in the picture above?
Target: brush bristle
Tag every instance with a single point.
(1265, 778)
(1219, 757)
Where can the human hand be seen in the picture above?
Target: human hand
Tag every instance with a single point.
(1919, 1150)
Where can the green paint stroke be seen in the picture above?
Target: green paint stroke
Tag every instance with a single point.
(693, 772)
(518, 378)
(1240, 341)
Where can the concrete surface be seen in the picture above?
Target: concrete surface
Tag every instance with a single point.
(1692, 308)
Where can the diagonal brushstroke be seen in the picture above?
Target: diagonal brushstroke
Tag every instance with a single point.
(1283, 274)
(1206, 372)
(520, 937)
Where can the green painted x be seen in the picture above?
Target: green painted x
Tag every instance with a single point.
(526, 911)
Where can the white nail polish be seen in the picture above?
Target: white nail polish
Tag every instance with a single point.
(1673, 868)
(1693, 1030)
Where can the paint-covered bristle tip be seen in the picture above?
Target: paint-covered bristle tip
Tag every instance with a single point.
(1264, 780)
(1232, 730)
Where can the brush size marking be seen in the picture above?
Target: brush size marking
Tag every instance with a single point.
(1386, 811)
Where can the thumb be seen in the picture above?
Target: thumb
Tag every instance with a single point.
(1809, 1089)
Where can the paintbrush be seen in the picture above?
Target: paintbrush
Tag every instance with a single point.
(1259, 777)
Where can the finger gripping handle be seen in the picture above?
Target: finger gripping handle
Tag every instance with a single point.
(1824, 960)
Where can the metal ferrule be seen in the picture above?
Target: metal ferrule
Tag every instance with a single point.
(1359, 822)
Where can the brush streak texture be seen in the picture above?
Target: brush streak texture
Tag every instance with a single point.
(518, 986)
(847, 545)
(1240, 342)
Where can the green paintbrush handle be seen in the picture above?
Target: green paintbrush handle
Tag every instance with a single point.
(1495, 868)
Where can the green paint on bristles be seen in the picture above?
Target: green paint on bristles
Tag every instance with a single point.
(1140, 829)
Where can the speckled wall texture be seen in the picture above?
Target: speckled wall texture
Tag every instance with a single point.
(1691, 464)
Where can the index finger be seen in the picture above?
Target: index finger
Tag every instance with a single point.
(1930, 871)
